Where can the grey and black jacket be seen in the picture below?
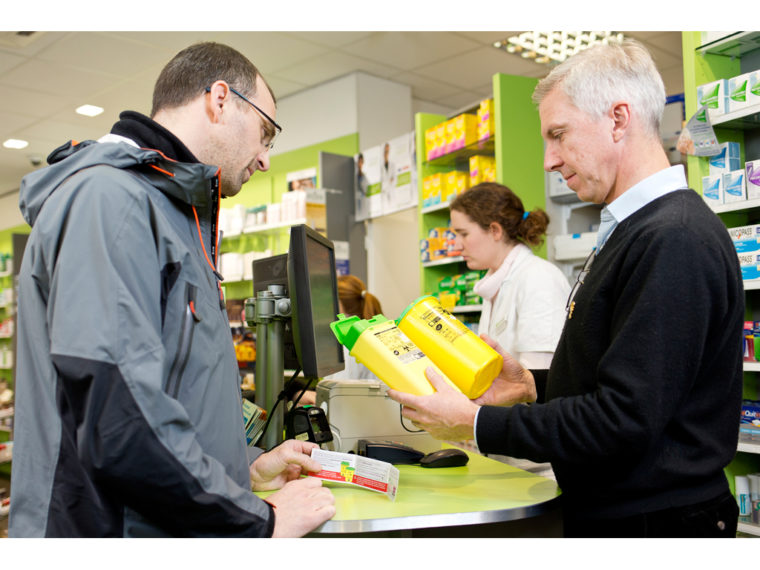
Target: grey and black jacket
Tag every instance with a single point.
(128, 406)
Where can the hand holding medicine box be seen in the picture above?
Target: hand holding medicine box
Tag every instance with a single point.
(356, 470)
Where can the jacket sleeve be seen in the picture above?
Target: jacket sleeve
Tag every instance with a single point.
(133, 440)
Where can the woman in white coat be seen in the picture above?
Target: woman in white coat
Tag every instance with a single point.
(524, 296)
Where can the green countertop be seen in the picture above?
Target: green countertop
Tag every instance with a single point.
(483, 491)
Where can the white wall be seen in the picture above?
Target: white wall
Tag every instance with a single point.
(384, 110)
(379, 110)
(322, 113)
(393, 261)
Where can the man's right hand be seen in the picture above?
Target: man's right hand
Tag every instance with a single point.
(513, 385)
(300, 507)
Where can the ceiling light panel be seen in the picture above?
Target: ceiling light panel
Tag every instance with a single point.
(15, 144)
(89, 110)
(554, 47)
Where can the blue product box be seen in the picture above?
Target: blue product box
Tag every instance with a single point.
(734, 188)
(750, 418)
(712, 190)
(744, 232)
(750, 272)
(747, 245)
(728, 159)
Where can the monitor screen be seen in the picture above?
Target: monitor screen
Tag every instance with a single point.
(313, 289)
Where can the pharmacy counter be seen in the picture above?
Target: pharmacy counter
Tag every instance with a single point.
(485, 498)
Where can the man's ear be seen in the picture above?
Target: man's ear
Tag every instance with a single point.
(217, 97)
(620, 113)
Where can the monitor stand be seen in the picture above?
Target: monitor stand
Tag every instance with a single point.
(269, 311)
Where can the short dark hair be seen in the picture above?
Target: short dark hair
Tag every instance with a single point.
(196, 67)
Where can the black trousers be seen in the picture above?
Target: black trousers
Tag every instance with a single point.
(716, 518)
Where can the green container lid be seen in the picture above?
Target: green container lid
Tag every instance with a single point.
(348, 329)
(412, 304)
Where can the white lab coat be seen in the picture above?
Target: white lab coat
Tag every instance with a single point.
(528, 313)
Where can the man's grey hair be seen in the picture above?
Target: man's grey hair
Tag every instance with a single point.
(596, 78)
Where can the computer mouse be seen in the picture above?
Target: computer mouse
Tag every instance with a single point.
(449, 457)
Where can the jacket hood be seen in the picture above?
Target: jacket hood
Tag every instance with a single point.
(187, 182)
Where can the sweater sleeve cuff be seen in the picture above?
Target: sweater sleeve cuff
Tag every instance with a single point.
(491, 428)
(540, 377)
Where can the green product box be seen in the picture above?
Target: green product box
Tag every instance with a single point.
(447, 282)
(471, 298)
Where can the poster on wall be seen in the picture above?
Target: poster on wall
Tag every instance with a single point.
(302, 179)
(385, 178)
(368, 184)
(397, 169)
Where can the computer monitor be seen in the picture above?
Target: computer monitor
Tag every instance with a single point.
(313, 290)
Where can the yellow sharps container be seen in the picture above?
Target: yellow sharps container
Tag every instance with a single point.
(381, 346)
(461, 354)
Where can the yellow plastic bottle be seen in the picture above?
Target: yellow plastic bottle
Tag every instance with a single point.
(461, 354)
(381, 346)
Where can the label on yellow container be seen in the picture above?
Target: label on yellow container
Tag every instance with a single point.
(380, 345)
(399, 345)
(463, 357)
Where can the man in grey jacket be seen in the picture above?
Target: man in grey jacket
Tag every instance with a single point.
(128, 409)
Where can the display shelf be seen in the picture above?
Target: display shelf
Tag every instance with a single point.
(748, 445)
(435, 208)
(749, 528)
(516, 146)
(462, 156)
(752, 366)
(735, 44)
(267, 228)
(742, 119)
(467, 309)
(446, 261)
(752, 285)
(736, 206)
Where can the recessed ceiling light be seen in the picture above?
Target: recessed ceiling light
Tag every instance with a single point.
(15, 143)
(89, 110)
(554, 47)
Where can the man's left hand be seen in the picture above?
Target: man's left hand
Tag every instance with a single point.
(286, 462)
(447, 414)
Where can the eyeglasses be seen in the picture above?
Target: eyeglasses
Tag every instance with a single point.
(570, 307)
(270, 136)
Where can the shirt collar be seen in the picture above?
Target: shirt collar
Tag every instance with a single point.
(648, 190)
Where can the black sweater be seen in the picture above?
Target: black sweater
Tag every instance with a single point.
(643, 397)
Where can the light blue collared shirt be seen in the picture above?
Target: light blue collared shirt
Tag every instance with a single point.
(638, 196)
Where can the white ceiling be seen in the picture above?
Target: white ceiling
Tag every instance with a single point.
(44, 80)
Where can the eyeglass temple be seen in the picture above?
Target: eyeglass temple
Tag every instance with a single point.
(252, 104)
